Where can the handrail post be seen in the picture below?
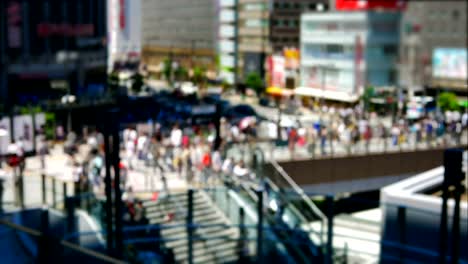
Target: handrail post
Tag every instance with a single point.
(43, 187)
(70, 213)
(54, 195)
(329, 255)
(243, 244)
(401, 216)
(44, 253)
(260, 226)
(190, 226)
(64, 192)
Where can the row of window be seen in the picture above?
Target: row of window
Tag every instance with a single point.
(285, 40)
(291, 23)
(300, 6)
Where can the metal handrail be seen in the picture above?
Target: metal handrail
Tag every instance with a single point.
(67, 244)
(298, 189)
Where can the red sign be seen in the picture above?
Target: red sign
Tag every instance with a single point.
(358, 5)
(14, 20)
(80, 30)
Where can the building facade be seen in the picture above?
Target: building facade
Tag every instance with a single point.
(341, 53)
(51, 47)
(428, 26)
(285, 21)
(185, 31)
(227, 48)
(124, 32)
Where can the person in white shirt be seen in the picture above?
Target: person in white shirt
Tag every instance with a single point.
(240, 170)
(176, 136)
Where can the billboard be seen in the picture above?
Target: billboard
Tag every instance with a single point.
(449, 63)
(4, 135)
(23, 128)
(358, 5)
(253, 62)
(276, 71)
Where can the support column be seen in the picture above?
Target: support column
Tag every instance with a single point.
(260, 226)
(190, 228)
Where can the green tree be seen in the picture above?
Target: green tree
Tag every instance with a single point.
(255, 82)
(448, 101)
(137, 82)
(199, 77)
(181, 74)
(369, 92)
(167, 70)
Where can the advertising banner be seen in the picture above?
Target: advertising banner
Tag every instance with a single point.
(23, 127)
(358, 5)
(276, 71)
(449, 63)
(4, 135)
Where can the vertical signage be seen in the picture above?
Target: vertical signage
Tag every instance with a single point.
(14, 20)
(357, 63)
(122, 14)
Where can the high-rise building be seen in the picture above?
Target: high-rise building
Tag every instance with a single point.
(431, 31)
(124, 32)
(228, 40)
(51, 47)
(341, 53)
(285, 21)
(184, 30)
(253, 37)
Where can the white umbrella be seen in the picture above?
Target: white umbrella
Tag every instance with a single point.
(246, 121)
(3, 132)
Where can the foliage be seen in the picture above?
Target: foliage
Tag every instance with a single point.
(181, 73)
(167, 69)
(255, 82)
(448, 101)
(199, 76)
(50, 125)
(29, 110)
(369, 92)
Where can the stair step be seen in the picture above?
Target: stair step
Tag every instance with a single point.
(217, 257)
(183, 241)
(210, 246)
(201, 249)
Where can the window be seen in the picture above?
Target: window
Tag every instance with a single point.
(389, 50)
(333, 48)
(392, 76)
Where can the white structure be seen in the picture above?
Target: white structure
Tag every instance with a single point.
(342, 52)
(227, 39)
(124, 30)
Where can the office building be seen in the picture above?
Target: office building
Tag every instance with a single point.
(124, 31)
(432, 30)
(341, 53)
(51, 47)
(227, 42)
(184, 31)
(285, 21)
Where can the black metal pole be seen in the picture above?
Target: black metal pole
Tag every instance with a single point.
(217, 121)
(70, 212)
(44, 245)
(117, 191)
(64, 191)
(190, 226)
(260, 226)
(401, 215)
(108, 191)
(330, 205)
(455, 175)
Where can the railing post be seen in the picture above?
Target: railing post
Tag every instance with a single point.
(44, 245)
(401, 216)
(43, 186)
(64, 192)
(190, 226)
(108, 190)
(329, 255)
(54, 194)
(70, 212)
(243, 244)
(260, 226)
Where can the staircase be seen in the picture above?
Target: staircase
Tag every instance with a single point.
(206, 249)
